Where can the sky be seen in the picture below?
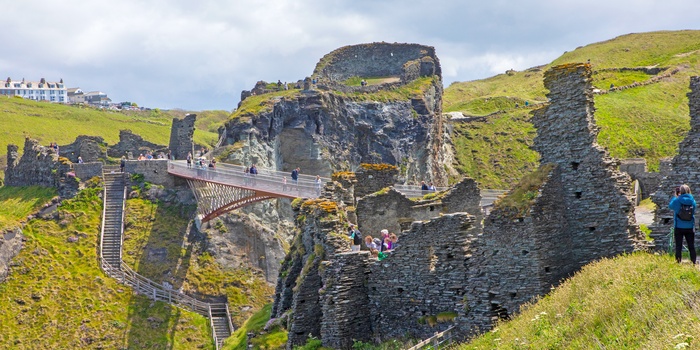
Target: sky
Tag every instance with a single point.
(199, 54)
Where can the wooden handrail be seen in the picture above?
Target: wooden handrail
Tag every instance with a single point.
(434, 339)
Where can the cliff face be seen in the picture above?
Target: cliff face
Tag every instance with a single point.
(322, 132)
(334, 126)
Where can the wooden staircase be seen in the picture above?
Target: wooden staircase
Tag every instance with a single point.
(111, 261)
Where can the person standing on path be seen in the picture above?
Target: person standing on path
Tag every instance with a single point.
(319, 183)
(122, 164)
(295, 177)
(683, 206)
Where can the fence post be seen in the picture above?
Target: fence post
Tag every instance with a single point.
(436, 341)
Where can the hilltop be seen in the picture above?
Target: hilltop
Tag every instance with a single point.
(645, 116)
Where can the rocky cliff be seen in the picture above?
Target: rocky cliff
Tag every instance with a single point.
(336, 126)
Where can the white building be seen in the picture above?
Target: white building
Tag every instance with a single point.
(38, 91)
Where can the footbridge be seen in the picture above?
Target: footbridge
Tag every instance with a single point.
(227, 187)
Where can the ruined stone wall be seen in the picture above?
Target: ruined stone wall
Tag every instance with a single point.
(423, 278)
(374, 177)
(599, 198)
(11, 242)
(649, 182)
(345, 300)
(684, 169)
(130, 143)
(154, 171)
(378, 60)
(39, 166)
(182, 136)
(87, 171)
(90, 148)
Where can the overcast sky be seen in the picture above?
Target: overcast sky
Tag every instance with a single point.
(200, 54)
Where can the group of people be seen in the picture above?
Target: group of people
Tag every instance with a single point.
(378, 247)
(54, 146)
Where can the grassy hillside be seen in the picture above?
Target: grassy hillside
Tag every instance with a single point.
(48, 122)
(58, 298)
(646, 121)
(639, 301)
(157, 246)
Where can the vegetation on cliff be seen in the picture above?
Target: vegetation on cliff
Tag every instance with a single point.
(157, 245)
(648, 120)
(637, 301)
(56, 296)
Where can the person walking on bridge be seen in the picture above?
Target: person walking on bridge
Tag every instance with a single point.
(683, 206)
(319, 183)
(295, 177)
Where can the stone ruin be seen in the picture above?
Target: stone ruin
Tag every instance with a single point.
(460, 268)
(684, 169)
(181, 136)
(39, 166)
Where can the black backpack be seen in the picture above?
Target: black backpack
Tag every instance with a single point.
(357, 238)
(686, 212)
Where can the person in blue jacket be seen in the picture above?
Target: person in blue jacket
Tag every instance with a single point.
(683, 206)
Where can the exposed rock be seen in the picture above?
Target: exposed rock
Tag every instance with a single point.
(10, 244)
(39, 166)
(89, 148)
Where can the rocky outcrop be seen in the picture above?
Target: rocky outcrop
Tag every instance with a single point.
(10, 244)
(39, 166)
(327, 131)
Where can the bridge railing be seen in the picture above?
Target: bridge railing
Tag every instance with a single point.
(266, 180)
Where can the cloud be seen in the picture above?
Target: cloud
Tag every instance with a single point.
(200, 55)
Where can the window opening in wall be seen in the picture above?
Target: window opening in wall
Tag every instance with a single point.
(525, 252)
(546, 269)
(592, 228)
(450, 256)
(432, 208)
(578, 194)
(400, 290)
(667, 221)
(521, 219)
(574, 165)
(499, 311)
(513, 295)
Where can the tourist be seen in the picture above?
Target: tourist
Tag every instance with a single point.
(189, 159)
(384, 243)
(295, 177)
(372, 243)
(356, 237)
(149, 156)
(393, 239)
(284, 184)
(80, 160)
(122, 164)
(432, 188)
(318, 185)
(423, 187)
(683, 205)
(254, 174)
(246, 176)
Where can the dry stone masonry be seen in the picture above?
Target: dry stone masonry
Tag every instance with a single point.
(449, 268)
(39, 166)
(684, 169)
(182, 136)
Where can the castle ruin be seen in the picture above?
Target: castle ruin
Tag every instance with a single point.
(452, 269)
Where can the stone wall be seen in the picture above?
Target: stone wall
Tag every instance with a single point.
(649, 182)
(684, 169)
(90, 148)
(181, 136)
(133, 144)
(374, 177)
(154, 171)
(39, 166)
(87, 171)
(408, 61)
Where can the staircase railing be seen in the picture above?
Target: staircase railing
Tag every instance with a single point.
(125, 275)
(436, 340)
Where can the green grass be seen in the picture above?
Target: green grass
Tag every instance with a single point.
(260, 103)
(56, 296)
(357, 81)
(48, 122)
(16, 203)
(638, 301)
(522, 196)
(274, 338)
(414, 89)
(647, 121)
(156, 246)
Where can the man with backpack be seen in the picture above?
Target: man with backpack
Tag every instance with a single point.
(356, 237)
(683, 206)
(295, 177)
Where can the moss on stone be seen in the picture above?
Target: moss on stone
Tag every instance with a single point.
(517, 202)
